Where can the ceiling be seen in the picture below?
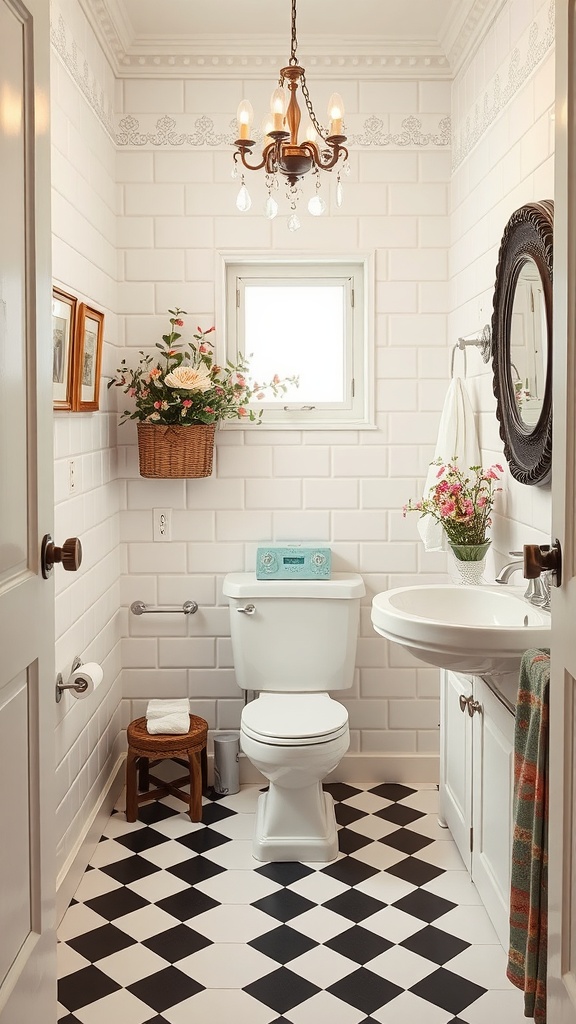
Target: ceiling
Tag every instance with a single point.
(140, 35)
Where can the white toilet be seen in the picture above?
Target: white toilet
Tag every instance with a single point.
(292, 641)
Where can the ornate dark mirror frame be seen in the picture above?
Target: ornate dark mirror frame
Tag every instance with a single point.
(527, 235)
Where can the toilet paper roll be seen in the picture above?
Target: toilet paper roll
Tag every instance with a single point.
(90, 673)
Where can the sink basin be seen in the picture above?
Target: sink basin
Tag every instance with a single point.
(477, 630)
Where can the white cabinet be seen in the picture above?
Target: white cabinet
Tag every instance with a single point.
(477, 787)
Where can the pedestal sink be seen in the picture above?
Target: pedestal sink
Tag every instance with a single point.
(477, 630)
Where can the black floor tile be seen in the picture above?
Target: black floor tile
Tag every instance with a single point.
(282, 990)
(435, 945)
(399, 814)
(424, 905)
(350, 871)
(142, 839)
(195, 869)
(165, 988)
(392, 791)
(202, 840)
(354, 905)
(285, 872)
(341, 790)
(68, 1019)
(101, 942)
(83, 987)
(349, 841)
(405, 840)
(359, 944)
(187, 904)
(117, 903)
(284, 905)
(213, 813)
(129, 870)
(154, 812)
(365, 990)
(176, 943)
(448, 990)
(283, 944)
(156, 1020)
(345, 814)
(418, 872)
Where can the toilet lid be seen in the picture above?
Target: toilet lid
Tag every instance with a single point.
(294, 717)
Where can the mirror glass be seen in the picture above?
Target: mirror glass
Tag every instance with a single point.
(522, 342)
(528, 344)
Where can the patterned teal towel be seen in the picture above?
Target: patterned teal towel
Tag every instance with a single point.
(529, 883)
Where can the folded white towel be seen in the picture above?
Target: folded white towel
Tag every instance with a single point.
(160, 708)
(173, 725)
(457, 438)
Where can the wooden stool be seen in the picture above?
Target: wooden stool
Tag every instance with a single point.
(188, 749)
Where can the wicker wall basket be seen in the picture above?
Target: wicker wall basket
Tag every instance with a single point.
(175, 452)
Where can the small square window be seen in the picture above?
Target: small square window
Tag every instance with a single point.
(305, 319)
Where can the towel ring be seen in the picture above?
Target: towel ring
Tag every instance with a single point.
(481, 339)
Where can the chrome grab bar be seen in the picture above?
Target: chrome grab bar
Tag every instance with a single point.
(139, 608)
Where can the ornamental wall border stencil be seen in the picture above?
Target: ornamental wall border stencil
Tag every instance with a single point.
(80, 72)
(502, 88)
(372, 133)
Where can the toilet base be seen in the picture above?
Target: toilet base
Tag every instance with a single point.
(317, 841)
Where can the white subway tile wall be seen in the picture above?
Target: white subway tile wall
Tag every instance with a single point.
(136, 232)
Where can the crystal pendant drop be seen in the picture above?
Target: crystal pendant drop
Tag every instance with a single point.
(293, 222)
(339, 193)
(316, 206)
(243, 201)
(234, 172)
(346, 169)
(270, 208)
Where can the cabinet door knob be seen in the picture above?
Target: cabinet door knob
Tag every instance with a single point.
(464, 702)
(474, 706)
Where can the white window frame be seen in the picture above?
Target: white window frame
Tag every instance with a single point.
(357, 409)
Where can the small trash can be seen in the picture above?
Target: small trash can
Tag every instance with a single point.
(226, 763)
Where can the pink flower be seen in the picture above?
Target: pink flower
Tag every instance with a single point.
(203, 349)
(209, 409)
(131, 392)
(157, 405)
(440, 472)
(481, 501)
(490, 474)
(154, 372)
(178, 323)
(241, 411)
(186, 403)
(260, 396)
(275, 379)
(447, 508)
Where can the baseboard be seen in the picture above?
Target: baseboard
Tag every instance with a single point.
(355, 767)
(70, 876)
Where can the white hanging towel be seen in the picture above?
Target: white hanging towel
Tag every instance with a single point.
(457, 438)
(168, 717)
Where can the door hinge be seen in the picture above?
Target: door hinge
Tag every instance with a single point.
(471, 839)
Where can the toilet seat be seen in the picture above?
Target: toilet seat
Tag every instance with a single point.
(294, 719)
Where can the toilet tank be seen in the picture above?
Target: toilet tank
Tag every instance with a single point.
(301, 635)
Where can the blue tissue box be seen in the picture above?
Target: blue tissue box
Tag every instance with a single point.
(293, 563)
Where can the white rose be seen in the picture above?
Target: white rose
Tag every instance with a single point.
(189, 378)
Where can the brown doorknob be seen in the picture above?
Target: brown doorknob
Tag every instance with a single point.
(69, 555)
(539, 558)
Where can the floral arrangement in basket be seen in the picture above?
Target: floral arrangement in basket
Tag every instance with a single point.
(188, 387)
(462, 504)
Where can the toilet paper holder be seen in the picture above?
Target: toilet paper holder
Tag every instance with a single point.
(79, 685)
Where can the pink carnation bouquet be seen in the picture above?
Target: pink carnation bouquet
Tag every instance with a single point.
(461, 501)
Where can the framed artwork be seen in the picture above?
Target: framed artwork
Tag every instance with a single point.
(88, 342)
(64, 309)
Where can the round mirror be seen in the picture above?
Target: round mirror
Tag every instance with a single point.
(522, 342)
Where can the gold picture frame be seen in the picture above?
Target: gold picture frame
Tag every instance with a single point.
(88, 341)
(64, 312)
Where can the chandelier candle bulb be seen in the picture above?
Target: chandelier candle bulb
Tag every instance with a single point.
(245, 115)
(278, 109)
(336, 113)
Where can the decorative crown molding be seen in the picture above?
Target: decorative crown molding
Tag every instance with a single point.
(464, 26)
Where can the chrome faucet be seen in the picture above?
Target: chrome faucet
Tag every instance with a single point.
(538, 590)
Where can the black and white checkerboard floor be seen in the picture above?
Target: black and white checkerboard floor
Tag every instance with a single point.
(175, 922)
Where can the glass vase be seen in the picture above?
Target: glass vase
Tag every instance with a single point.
(468, 563)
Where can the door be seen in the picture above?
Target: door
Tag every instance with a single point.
(562, 839)
(456, 760)
(27, 875)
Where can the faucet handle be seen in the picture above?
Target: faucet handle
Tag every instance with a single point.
(516, 554)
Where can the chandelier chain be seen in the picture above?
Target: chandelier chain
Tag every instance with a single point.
(294, 41)
(321, 131)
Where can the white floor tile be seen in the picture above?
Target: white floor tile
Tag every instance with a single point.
(132, 964)
(386, 888)
(323, 1008)
(471, 924)
(401, 966)
(77, 920)
(240, 826)
(227, 965)
(142, 924)
(443, 855)
(238, 887)
(423, 800)
(393, 924)
(243, 802)
(368, 802)
(320, 924)
(428, 826)
(118, 826)
(497, 1007)
(380, 856)
(484, 965)
(373, 827)
(167, 854)
(234, 855)
(322, 966)
(456, 886)
(158, 886)
(95, 883)
(179, 825)
(220, 1005)
(109, 852)
(232, 924)
(410, 1009)
(318, 887)
(121, 1007)
(69, 960)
